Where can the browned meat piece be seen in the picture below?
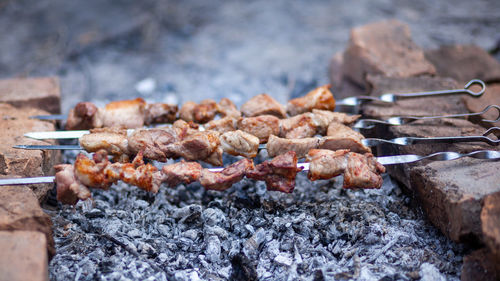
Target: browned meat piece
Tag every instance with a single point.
(363, 171)
(278, 173)
(276, 146)
(140, 174)
(228, 109)
(186, 112)
(197, 146)
(160, 113)
(113, 140)
(326, 164)
(240, 143)
(69, 189)
(330, 116)
(215, 158)
(336, 143)
(128, 114)
(261, 126)
(152, 142)
(342, 131)
(319, 98)
(263, 104)
(222, 125)
(181, 172)
(90, 173)
(298, 127)
(199, 113)
(82, 116)
(227, 177)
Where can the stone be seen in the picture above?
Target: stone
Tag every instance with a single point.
(24, 256)
(490, 224)
(384, 48)
(43, 93)
(20, 211)
(25, 163)
(464, 62)
(490, 97)
(478, 265)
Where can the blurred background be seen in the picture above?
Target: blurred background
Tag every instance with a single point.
(174, 51)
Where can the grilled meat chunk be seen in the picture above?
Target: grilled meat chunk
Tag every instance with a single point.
(319, 98)
(69, 189)
(263, 104)
(326, 164)
(139, 174)
(181, 172)
(363, 171)
(90, 172)
(260, 126)
(160, 113)
(276, 145)
(330, 116)
(228, 109)
(82, 116)
(186, 112)
(347, 139)
(199, 113)
(298, 127)
(240, 143)
(278, 173)
(226, 124)
(152, 142)
(126, 113)
(227, 177)
(113, 140)
(197, 146)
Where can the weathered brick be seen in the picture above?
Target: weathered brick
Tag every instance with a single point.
(43, 93)
(20, 210)
(27, 163)
(24, 256)
(490, 224)
(464, 62)
(384, 48)
(478, 265)
(490, 97)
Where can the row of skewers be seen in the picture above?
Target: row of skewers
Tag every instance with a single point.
(195, 135)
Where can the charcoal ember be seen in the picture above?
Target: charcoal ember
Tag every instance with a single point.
(449, 61)
(384, 48)
(243, 268)
(213, 249)
(429, 272)
(214, 216)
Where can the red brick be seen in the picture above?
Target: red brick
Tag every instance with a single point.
(43, 93)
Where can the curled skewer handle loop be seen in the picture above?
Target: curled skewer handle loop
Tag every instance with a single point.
(475, 82)
(465, 90)
(487, 109)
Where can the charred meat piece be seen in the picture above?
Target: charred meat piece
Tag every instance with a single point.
(82, 116)
(262, 104)
(363, 171)
(260, 126)
(160, 113)
(140, 174)
(152, 142)
(197, 146)
(113, 140)
(240, 143)
(319, 98)
(278, 173)
(228, 109)
(336, 143)
(298, 127)
(92, 174)
(276, 146)
(181, 173)
(199, 113)
(326, 164)
(330, 116)
(69, 189)
(226, 124)
(227, 177)
(128, 114)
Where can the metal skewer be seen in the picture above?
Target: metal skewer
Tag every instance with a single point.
(368, 142)
(384, 160)
(390, 98)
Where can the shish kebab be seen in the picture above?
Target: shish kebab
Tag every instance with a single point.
(360, 171)
(86, 115)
